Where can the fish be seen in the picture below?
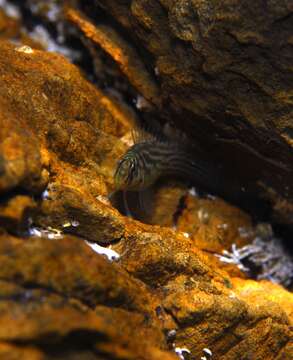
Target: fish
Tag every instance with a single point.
(146, 162)
(156, 155)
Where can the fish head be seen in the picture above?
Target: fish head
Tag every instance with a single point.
(128, 175)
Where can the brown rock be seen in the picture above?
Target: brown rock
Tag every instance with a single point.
(14, 352)
(9, 27)
(16, 212)
(249, 329)
(214, 225)
(156, 255)
(85, 275)
(48, 323)
(70, 202)
(60, 106)
(20, 159)
(211, 309)
(58, 298)
(125, 55)
(59, 121)
(222, 69)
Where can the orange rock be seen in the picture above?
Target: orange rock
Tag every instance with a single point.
(214, 225)
(49, 323)
(59, 295)
(15, 213)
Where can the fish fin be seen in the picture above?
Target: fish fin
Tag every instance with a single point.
(137, 204)
(148, 129)
(140, 135)
(126, 205)
(146, 203)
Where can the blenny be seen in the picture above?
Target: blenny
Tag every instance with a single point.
(153, 157)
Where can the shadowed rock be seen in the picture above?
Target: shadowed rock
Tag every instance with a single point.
(60, 140)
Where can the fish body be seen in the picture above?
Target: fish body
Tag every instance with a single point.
(145, 162)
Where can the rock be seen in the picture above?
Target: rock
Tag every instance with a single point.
(53, 308)
(58, 112)
(85, 275)
(211, 309)
(247, 329)
(214, 225)
(15, 214)
(70, 202)
(13, 352)
(48, 302)
(20, 161)
(222, 69)
(60, 140)
(9, 26)
(156, 255)
(49, 323)
(125, 55)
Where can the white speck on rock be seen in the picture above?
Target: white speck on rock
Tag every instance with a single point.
(223, 226)
(35, 232)
(232, 295)
(67, 224)
(49, 233)
(25, 49)
(211, 197)
(193, 192)
(45, 96)
(45, 194)
(207, 351)
(142, 103)
(110, 254)
(171, 333)
(203, 216)
(103, 199)
(180, 352)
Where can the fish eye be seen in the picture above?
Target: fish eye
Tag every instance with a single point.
(131, 171)
(126, 171)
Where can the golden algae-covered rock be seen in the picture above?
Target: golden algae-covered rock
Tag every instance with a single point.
(224, 76)
(60, 140)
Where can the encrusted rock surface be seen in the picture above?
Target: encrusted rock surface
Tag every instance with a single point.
(222, 68)
(59, 300)
(60, 138)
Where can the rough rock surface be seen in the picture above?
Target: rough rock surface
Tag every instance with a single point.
(60, 138)
(222, 68)
(60, 307)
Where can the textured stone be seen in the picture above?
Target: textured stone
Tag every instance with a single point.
(40, 324)
(72, 269)
(223, 69)
(60, 139)
(214, 225)
(15, 213)
(53, 121)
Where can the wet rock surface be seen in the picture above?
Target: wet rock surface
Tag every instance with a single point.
(222, 69)
(60, 138)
